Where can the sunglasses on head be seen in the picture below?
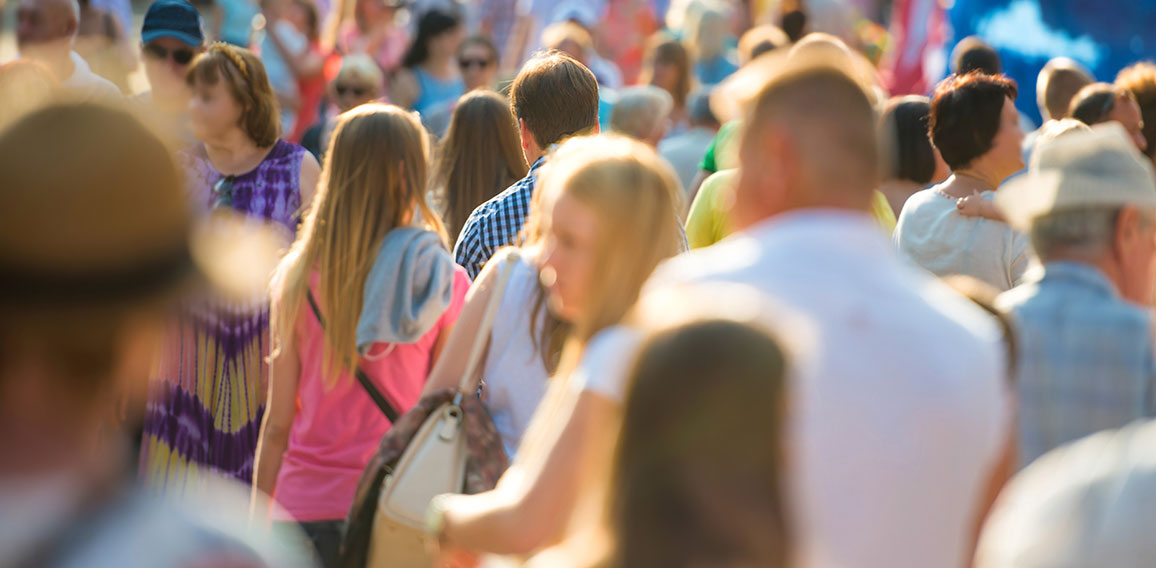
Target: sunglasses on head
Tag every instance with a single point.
(470, 63)
(181, 55)
(355, 90)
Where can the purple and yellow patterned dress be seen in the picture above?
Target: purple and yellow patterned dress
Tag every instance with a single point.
(208, 387)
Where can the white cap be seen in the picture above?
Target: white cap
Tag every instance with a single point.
(1100, 168)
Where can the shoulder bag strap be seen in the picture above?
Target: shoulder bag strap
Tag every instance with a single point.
(378, 397)
(487, 324)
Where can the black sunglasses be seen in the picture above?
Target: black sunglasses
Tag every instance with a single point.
(223, 192)
(342, 90)
(181, 55)
(479, 63)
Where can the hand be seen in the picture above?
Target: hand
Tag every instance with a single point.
(971, 206)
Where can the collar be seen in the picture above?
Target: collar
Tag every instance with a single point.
(80, 67)
(817, 221)
(1079, 274)
(541, 161)
(826, 228)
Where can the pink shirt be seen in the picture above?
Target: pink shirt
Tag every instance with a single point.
(336, 431)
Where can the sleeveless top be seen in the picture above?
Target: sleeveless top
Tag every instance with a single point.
(514, 375)
(436, 93)
(269, 192)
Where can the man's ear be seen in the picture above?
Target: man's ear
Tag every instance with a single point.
(527, 136)
(1127, 229)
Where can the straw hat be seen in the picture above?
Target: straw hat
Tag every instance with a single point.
(91, 210)
(1099, 168)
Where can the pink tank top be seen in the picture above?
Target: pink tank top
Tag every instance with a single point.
(336, 431)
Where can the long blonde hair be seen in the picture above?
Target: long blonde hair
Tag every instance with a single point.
(636, 197)
(373, 181)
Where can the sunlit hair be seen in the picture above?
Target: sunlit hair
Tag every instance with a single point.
(481, 156)
(696, 477)
(702, 37)
(245, 76)
(635, 196)
(373, 181)
(1140, 80)
(361, 67)
(556, 36)
(662, 49)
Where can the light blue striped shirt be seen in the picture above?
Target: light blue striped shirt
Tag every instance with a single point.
(1086, 357)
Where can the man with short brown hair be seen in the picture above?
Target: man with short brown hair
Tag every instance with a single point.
(554, 97)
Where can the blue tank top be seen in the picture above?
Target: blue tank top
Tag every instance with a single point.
(436, 93)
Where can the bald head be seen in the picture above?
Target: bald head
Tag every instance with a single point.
(46, 23)
(810, 142)
(1059, 81)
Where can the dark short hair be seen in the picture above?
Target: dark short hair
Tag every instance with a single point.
(1095, 102)
(973, 54)
(556, 96)
(965, 115)
(1140, 80)
(903, 127)
(431, 24)
(245, 77)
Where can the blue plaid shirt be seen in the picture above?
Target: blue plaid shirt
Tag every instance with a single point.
(1086, 357)
(496, 223)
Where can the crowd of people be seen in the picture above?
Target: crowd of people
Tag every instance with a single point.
(698, 290)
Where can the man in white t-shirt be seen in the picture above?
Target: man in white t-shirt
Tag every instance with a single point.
(45, 34)
(901, 418)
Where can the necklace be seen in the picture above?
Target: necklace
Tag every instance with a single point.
(977, 185)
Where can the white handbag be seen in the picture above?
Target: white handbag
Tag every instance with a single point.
(433, 463)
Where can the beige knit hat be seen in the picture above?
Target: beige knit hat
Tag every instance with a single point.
(1100, 168)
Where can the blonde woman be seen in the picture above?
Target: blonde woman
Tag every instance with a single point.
(606, 216)
(368, 286)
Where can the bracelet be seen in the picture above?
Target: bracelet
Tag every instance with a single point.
(435, 516)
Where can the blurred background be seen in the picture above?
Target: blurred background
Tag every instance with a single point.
(910, 39)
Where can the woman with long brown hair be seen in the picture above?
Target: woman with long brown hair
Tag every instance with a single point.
(367, 289)
(667, 65)
(481, 156)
